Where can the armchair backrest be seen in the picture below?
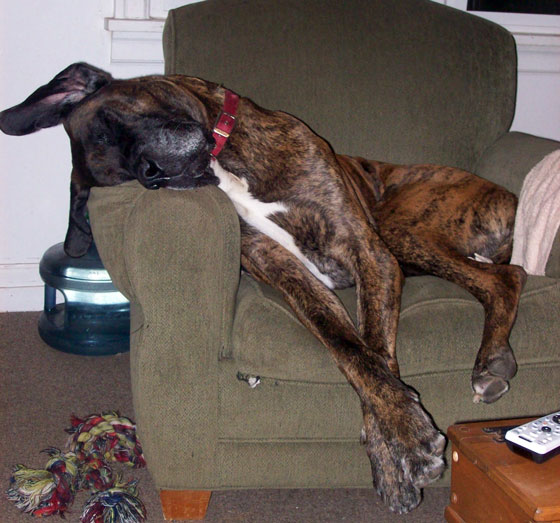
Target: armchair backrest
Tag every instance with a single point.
(401, 80)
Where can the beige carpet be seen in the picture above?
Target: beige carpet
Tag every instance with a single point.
(41, 387)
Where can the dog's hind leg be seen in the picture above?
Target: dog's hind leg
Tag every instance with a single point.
(434, 219)
(496, 286)
(404, 447)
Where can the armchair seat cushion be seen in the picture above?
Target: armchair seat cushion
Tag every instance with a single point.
(300, 384)
(270, 342)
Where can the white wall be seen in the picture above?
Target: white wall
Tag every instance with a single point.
(39, 38)
(538, 103)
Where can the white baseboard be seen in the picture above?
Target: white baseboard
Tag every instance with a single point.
(21, 287)
(19, 299)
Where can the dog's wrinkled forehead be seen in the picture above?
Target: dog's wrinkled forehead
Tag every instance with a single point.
(131, 103)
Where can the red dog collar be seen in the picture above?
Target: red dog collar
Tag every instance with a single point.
(225, 122)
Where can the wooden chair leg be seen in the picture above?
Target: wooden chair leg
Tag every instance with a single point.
(183, 505)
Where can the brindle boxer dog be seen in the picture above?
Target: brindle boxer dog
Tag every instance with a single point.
(311, 221)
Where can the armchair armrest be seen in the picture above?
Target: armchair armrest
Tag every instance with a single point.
(175, 254)
(508, 161)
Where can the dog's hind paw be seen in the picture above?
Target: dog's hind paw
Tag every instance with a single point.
(491, 382)
(489, 388)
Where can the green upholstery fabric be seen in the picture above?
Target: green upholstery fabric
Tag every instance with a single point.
(431, 308)
(183, 297)
(357, 70)
(407, 80)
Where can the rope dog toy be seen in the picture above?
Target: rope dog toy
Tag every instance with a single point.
(94, 443)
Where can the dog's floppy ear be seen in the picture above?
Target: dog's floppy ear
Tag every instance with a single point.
(50, 103)
(79, 236)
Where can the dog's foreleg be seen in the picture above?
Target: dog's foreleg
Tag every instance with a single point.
(402, 443)
(379, 283)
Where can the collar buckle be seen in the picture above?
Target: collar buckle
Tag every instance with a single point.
(225, 122)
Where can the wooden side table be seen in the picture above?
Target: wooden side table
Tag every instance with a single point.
(490, 483)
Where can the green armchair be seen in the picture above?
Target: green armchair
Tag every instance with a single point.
(405, 81)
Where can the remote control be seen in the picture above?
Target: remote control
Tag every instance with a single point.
(538, 439)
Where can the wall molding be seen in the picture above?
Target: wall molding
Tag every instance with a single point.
(136, 29)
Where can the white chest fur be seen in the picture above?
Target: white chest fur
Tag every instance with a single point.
(256, 214)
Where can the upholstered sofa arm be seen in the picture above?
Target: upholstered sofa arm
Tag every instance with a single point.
(175, 254)
(508, 161)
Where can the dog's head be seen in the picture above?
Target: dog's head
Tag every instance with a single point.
(150, 129)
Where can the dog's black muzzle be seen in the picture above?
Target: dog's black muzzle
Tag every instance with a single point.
(176, 156)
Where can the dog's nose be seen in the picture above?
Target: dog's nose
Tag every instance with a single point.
(152, 170)
(150, 175)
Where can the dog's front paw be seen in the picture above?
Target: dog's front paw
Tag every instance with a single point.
(404, 460)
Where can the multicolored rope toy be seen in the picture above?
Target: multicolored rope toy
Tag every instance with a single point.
(94, 443)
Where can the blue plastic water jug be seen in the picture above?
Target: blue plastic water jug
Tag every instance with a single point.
(94, 319)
